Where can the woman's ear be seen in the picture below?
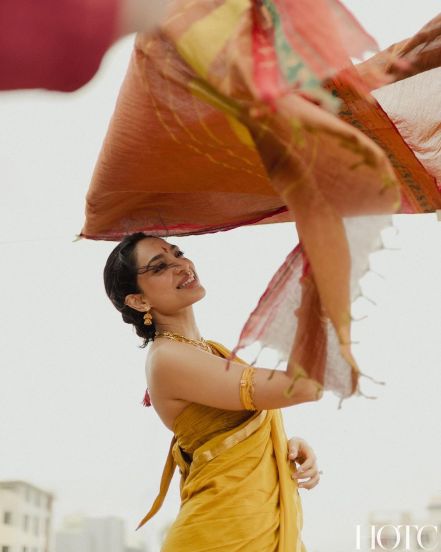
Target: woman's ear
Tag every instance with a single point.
(137, 302)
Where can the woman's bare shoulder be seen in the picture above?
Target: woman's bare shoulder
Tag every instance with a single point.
(156, 349)
(167, 407)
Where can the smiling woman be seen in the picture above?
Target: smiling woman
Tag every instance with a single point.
(265, 119)
(228, 436)
(137, 280)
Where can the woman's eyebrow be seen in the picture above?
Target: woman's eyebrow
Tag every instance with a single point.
(172, 247)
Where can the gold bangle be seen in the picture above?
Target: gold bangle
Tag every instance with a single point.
(247, 388)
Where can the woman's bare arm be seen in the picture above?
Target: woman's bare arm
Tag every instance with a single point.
(179, 371)
(420, 53)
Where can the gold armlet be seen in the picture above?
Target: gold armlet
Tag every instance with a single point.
(247, 388)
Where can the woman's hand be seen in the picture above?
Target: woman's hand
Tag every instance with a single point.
(299, 451)
(404, 59)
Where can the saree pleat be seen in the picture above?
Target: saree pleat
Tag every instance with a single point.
(237, 493)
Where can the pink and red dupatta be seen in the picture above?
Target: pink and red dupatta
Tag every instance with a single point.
(241, 112)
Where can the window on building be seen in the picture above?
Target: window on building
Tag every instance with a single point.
(25, 522)
(7, 518)
(6, 549)
(25, 549)
(35, 525)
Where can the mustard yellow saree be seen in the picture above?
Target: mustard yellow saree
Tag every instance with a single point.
(237, 493)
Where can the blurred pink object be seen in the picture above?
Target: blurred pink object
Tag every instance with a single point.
(54, 44)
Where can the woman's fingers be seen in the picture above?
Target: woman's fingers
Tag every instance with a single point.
(307, 473)
(312, 482)
(294, 445)
(308, 463)
(299, 449)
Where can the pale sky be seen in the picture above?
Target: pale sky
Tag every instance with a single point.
(72, 377)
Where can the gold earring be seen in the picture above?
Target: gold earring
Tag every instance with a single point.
(148, 318)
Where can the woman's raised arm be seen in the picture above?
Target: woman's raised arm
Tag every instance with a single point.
(177, 371)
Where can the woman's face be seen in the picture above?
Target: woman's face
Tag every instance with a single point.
(165, 270)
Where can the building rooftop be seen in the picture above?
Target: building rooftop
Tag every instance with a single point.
(12, 483)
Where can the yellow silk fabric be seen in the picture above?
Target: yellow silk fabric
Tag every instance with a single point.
(236, 488)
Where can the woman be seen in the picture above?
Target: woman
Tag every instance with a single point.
(229, 441)
(267, 120)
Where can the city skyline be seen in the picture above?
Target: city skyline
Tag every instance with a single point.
(79, 532)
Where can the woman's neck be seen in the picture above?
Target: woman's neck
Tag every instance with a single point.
(184, 325)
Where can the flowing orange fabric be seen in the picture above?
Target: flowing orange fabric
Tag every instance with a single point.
(224, 120)
(236, 488)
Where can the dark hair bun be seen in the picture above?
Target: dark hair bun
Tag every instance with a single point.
(120, 281)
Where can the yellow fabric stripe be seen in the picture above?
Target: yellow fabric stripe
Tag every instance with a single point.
(241, 132)
(167, 475)
(203, 41)
(250, 427)
(206, 93)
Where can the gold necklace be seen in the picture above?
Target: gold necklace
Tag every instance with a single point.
(200, 343)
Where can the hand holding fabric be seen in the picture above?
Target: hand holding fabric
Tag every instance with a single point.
(299, 449)
(408, 57)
